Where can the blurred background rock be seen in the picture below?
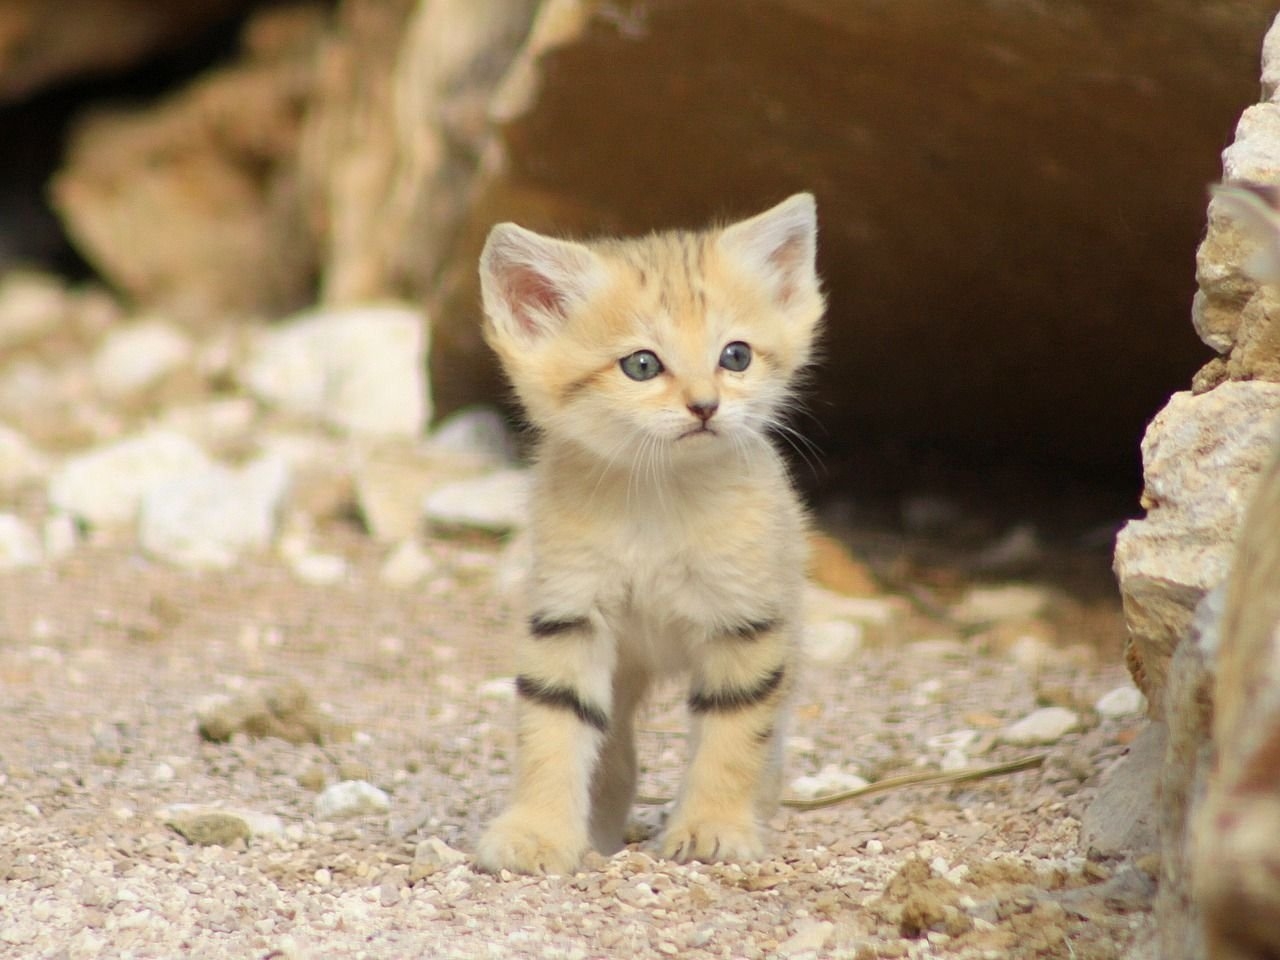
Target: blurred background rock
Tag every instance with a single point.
(1011, 193)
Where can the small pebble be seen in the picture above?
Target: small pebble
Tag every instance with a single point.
(1046, 725)
(351, 798)
(1126, 701)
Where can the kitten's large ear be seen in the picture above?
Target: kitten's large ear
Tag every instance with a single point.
(780, 247)
(530, 282)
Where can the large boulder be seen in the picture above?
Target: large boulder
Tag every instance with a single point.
(1200, 580)
(1235, 850)
(1008, 192)
(191, 205)
(1202, 457)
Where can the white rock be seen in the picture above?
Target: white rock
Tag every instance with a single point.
(830, 779)
(360, 369)
(319, 569)
(434, 852)
(496, 502)
(60, 536)
(500, 688)
(480, 431)
(407, 564)
(206, 519)
(351, 798)
(1126, 701)
(20, 461)
(1201, 455)
(832, 641)
(107, 484)
(31, 305)
(880, 613)
(19, 544)
(1013, 601)
(1046, 725)
(955, 740)
(134, 357)
(389, 491)
(811, 936)
(213, 423)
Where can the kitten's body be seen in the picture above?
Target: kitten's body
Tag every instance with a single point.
(666, 535)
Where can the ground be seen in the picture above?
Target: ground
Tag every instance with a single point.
(107, 658)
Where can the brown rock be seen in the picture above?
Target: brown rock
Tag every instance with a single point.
(191, 205)
(395, 136)
(1236, 856)
(982, 172)
(284, 710)
(1202, 456)
(43, 42)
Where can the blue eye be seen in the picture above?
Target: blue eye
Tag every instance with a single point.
(641, 365)
(736, 356)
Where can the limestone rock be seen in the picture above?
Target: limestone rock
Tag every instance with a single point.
(1201, 457)
(1235, 845)
(134, 357)
(1126, 701)
(1123, 818)
(432, 855)
(479, 432)
(20, 461)
(1014, 601)
(1046, 725)
(351, 798)
(31, 305)
(205, 520)
(19, 544)
(359, 369)
(495, 502)
(106, 485)
(395, 134)
(214, 224)
(406, 565)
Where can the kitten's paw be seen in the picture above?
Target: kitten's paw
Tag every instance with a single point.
(711, 841)
(522, 844)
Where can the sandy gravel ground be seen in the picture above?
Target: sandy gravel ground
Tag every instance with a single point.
(106, 657)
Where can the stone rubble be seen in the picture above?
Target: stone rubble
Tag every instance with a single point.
(351, 798)
(361, 370)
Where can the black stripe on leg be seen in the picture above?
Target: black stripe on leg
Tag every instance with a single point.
(543, 625)
(564, 698)
(752, 629)
(736, 698)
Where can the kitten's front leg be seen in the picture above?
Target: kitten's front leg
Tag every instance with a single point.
(738, 691)
(565, 699)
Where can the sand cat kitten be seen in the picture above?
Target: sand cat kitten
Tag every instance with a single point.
(666, 535)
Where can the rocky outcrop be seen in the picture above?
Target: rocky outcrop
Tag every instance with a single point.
(1200, 579)
(1202, 456)
(982, 171)
(1235, 855)
(192, 205)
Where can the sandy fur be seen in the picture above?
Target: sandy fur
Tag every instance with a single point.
(655, 551)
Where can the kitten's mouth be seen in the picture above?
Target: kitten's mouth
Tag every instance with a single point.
(701, 430)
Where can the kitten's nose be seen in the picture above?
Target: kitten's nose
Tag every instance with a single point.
(704, 410)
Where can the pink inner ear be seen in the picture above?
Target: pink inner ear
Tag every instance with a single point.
(530, 293)
(788, 257)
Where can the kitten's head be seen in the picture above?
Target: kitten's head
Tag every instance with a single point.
(687, 341)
